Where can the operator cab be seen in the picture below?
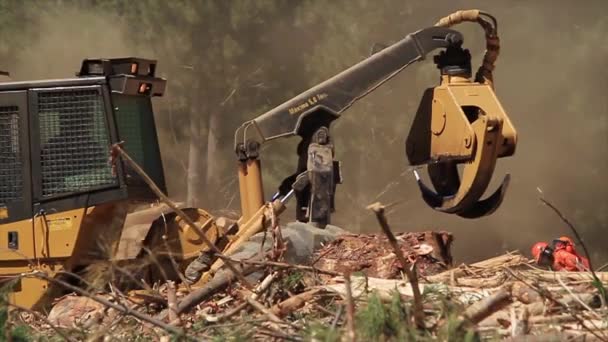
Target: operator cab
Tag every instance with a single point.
(55, 138)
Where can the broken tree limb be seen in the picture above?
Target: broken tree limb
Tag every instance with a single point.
(118, 151)
(215, 284)
(485, 307)
(171, 301)
(547, 295)
(292, 304)
(42, 317)
(283, 265)
(264, 310)
(350, 310)
(256, 224)
(378, 209)
(505, 260)
(120, 308)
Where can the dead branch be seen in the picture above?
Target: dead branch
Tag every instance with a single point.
(264, 285)
(350, 310)
(378, 209)
(215, 284)
(283, 265)
(120, 308)
(118, 151)
(256, 224)
(171, 301)
(484, 308)
(225, 315)
(44, 319)
(577, 298)
(508, 259)
(264, 310)
(291, 304)
(547, 295)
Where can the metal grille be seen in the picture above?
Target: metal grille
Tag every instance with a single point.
(74, 141)
(11, 178)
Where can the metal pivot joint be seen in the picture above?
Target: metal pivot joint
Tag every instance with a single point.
(454, 61)
(315, 185)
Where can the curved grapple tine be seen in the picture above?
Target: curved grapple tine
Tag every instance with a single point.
(431, 198)
(489, 205)
(444, 177)
(462, 197)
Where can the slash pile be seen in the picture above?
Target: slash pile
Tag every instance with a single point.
(503, 297)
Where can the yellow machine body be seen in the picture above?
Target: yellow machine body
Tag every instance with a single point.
(64, 210)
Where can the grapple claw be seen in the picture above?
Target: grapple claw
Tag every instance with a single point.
(444, 177)
(478, 209)
(489, 205)
(431, 198)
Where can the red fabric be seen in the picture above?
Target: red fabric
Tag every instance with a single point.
(566, 259)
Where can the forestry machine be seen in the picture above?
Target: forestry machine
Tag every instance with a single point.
(460, 121)
(67, 213)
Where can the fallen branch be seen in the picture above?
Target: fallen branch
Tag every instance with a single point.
(118, 151)
(225, 315)
(291, 304)
(509, 259)
(264, 285)
(350, 310)
(120, 308)
(44, 319)
(215, 284)
(254, 225)
(378, 209)
(545, 294)
(171, 301)
(284, 266)
(484, 308)
(577, 298)
(264, 310)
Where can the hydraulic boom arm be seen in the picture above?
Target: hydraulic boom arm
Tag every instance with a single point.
(452, 126)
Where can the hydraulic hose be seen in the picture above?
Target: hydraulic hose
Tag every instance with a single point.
(484, 73)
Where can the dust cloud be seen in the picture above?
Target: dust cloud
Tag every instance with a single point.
(551, 79)
(62, 36)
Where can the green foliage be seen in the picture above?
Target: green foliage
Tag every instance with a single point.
(597, 283)
(378, 321)
(292, 281)
(317, 331)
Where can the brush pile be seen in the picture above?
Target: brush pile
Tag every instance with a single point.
(344, 294)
